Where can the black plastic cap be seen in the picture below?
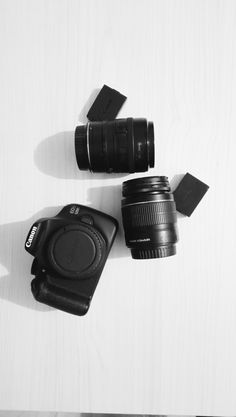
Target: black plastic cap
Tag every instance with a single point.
(189, 193)
(106, 105)
(75, 251)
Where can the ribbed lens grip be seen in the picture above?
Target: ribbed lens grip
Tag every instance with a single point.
(149, 214)
(160, 252)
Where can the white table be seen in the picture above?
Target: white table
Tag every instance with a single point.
(160, 336)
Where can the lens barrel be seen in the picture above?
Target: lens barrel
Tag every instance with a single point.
(149, 217)
(121, 145)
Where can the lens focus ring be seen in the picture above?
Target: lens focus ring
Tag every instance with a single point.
(149, 214)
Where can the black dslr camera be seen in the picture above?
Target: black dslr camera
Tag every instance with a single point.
(70, 252)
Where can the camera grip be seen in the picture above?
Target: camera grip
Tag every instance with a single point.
(57, 298)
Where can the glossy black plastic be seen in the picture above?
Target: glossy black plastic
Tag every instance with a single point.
(122, 145)
(70, 252)
(149, 217)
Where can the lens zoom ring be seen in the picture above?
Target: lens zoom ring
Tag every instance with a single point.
(149, 214)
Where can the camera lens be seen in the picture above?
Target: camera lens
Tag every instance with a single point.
(122, 145)
(149, 217)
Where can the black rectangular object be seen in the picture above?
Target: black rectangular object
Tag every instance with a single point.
(189, 193)
(106, 105)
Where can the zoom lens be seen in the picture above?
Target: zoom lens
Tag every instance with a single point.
(149, 217)
(122, 145)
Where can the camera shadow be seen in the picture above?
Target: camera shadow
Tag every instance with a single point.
(108, 200)
(55, 156)
(15, 284)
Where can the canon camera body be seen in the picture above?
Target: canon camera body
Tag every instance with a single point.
(70, 252)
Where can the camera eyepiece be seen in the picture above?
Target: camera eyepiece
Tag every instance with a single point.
(149, 217)
(121, 145)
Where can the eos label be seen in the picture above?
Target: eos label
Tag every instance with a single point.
(74, 210)
(31, 237)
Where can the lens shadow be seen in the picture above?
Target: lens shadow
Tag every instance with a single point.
(55, 156)
(15, 285)
(108, 200)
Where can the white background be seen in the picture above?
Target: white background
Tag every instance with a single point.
(160, 336)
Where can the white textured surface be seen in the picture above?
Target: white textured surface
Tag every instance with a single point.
(160, 335)
(41, 414)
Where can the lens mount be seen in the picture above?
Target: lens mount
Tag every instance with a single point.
(159, 252)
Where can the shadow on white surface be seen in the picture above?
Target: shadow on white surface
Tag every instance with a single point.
(83, 113)
(55, 156)
(173, 185)
(174, 182)
(108, 200)
(15, 286)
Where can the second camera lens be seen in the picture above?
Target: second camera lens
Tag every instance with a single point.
(122, 145)
(149, 217)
